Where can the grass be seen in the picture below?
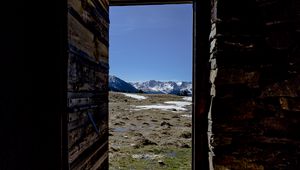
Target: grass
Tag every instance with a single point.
(130, 152)
(172, 157)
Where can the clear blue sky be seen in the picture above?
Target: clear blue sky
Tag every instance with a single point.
(151, 42)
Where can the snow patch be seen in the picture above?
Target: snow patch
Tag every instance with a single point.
(162, 107)
(179, 83)
(135, 96)
(146, 156)
(187, 98)
(188, 116)
(169, 105)
(179, 103)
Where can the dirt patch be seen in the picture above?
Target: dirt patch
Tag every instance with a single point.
(149, 138)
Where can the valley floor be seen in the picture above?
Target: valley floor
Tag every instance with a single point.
(149, 131)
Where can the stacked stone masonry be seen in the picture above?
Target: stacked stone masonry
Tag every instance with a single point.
(212, 78)
(256, 109)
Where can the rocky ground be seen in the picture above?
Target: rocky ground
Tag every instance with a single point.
(149, 131)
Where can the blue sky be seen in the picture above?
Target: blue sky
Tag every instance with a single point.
(151, 42)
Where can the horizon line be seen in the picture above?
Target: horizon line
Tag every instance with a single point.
(151, 79)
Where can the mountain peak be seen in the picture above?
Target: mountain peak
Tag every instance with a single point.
(151, 86)
(167, 87)
(117, 84)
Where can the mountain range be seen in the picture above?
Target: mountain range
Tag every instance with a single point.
(151, 86)
(119, 85)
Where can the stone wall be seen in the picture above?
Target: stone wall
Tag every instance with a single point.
(256, 110)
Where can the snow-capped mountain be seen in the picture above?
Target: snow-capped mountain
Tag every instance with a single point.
(170, 87)
(117, 84)
(152, 86)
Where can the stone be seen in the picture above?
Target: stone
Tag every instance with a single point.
(284, 103)
(164, 123)
(161, 162)
(186, 135)
(115, 149)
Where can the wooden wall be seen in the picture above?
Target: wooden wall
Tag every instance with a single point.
(87, 85)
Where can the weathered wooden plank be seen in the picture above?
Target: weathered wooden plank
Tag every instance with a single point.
(74, 136)
(100, 161)
(102, 81)
(87, 141)
(79, 101)
(75, 116)
(84, 58)
(79, 118)
(88, 24)
(83, 76)
(87, 7)
(91, 15)
(81, 37)
(104, 4)
(96, 159)
(101, 95)
(77, 134)
(82, 146)
(93, 102)
(78, 123)
(103, 52)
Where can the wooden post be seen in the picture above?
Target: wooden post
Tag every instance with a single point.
(201, 85)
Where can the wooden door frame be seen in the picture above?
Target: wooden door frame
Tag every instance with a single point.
(201, 72)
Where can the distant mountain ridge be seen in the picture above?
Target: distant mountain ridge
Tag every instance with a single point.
(169, 87)
(119, 85)
(151, 87)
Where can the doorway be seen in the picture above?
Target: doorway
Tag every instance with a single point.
(151, 48)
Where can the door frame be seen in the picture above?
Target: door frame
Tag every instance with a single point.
(201, 71)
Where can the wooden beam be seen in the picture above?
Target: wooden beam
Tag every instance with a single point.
(147, 2)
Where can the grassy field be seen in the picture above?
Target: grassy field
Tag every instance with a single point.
(149, 133)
